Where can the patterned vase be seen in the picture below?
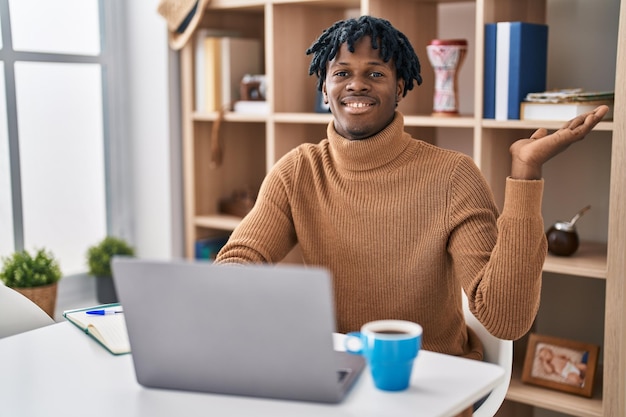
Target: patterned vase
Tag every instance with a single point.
(446, 57)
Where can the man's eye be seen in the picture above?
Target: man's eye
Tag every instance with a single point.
(376, 74)
(341, 73)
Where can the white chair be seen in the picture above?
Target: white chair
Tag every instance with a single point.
(19, 314)
(496, 351)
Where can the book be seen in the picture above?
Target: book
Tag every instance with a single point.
(199, 70)
(521, 65)
(212, 73)
(503, 43)
(544, 110)
(199, 63)
(109, 330)
(489, 81)
(569, 95)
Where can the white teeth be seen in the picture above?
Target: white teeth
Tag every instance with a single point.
(357, 105)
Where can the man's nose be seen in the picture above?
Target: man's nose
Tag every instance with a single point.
(358, 83)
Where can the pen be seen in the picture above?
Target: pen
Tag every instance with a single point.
(103, 312)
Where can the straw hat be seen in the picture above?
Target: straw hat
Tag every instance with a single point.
(182, 17)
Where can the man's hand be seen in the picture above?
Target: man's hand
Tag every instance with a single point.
(529, 155)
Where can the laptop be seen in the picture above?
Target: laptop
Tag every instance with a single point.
(253, 330)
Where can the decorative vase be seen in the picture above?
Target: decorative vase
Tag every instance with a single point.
(446, 57)
(45, 296)
(105, 289)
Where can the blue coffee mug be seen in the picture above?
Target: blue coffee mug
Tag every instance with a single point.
(390, 348)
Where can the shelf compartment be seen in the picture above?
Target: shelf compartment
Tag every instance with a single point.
(290, 135)
(555, 400)
(296, 25)
(588, 261)
(242, 167)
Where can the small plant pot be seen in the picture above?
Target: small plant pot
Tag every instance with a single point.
(105, 289)
(45, 296)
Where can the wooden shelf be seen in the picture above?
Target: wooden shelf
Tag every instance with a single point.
(238, 4)
(325, 3)
(461, 121)
(536, 124)
(554, 400)
(588, 261)
(230, 117)
(218, 221)
(311, 118)
(409, 120)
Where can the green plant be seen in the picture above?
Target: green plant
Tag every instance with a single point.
(99, 256)
(23, 270)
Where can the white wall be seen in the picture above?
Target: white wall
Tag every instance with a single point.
(151, 124)
(155, 139)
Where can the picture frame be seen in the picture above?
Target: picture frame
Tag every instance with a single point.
(560, 364)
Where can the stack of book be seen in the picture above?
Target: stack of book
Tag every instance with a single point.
(222, 59)
(565, 104)
(515, 65)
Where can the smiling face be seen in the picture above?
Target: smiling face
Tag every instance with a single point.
(362, 90)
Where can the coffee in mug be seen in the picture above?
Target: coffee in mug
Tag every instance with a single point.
(390, 332)
(390, 348)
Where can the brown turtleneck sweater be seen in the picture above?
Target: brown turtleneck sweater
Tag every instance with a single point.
(403, 225)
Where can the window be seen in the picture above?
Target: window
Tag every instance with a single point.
(56, 93)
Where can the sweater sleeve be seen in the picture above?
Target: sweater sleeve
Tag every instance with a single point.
(499, 262)
(266, 234)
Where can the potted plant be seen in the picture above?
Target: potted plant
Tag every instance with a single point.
(36, 277)
(99, 261)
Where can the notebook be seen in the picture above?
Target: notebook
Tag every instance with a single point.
(108, 329)
(260, 331)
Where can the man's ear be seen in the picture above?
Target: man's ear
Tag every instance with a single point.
(399, 90)
(324, 94)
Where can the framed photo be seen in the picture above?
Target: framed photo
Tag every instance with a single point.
(561, 364)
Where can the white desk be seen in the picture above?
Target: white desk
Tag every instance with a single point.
(59, 371)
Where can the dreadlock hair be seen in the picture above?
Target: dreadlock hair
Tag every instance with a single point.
(393, 44)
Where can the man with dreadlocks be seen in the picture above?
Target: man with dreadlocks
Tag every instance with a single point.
(402, 225)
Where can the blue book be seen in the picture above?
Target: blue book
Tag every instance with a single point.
(489, 82)
(521, 65)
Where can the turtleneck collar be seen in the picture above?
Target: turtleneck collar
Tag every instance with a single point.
(371, 153)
